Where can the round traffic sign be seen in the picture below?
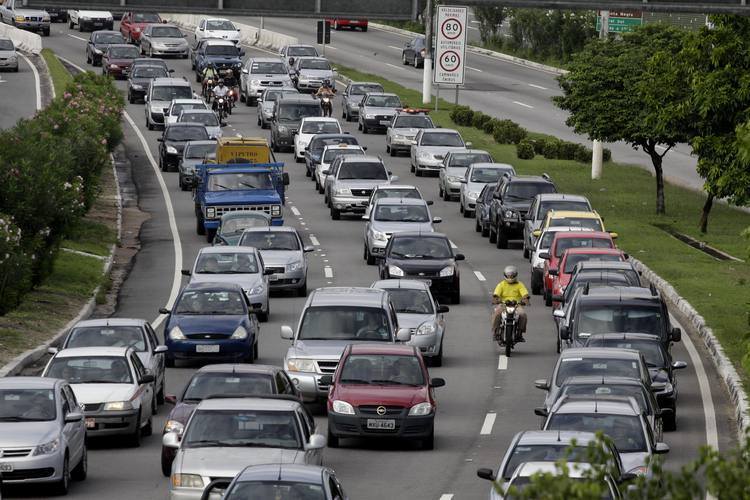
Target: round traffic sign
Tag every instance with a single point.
(451, 28)
(450, 60)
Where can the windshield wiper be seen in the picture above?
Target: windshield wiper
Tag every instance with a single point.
(102, 382)
(222, 187)
(249, 185)
(204, 443)
(413, 311)
(354, 381)
(23, 419)
(393, 382)
(516, 197)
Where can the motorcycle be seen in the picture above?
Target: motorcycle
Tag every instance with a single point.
(208, 85)
(505, 333)
(326, 106)
(222, 107)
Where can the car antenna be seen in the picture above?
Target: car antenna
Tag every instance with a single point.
(279, 478)
(559, 439)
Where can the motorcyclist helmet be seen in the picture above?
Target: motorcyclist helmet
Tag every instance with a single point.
(326, 82)
(221, 81)
(510, 273)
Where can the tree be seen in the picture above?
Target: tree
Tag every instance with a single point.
(614, 94)
(490, 19)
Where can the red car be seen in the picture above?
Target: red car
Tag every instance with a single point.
(132, 24)
(117, 59)
(572, 256)
(339, 23)
(561, 242)
(381, 391)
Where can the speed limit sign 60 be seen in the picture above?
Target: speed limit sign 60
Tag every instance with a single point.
(450, 60)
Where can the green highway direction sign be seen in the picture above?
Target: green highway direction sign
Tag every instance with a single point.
(620, 21)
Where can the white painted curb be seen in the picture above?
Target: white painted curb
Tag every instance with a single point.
(24, 40)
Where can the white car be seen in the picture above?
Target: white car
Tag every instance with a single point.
(205, 117)
(179, 105)
(114, 388)
(217, 28)
(309, 127)
(326, 158)
(90, 20)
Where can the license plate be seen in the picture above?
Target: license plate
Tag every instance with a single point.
(273, 277)
(90, 423)
(377, 423)
(385, 122)
(207, 348)
(98, 24)
(6, 467)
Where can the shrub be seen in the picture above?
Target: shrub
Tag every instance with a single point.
(583, 154)
(551, 148)
(525, 150)
(462, 115)
(508, 132)
(479, 120)
(568, 150)
(607, 155)
(489, 125)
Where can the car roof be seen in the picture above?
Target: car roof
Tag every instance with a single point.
(271, 229)
(605, 265)
(583, 234)
(447, 130)
(593, 251)
(365, 83)
(601, 380)
(210, 286)
(405, 187)
(283, 472)
(468, 151)
(184, 124)
(386, 94)
(297, 99)
(555, 437)
(258, 404)
(619, 293)
(561, 197)
(383, 349)
(77, 352)
(348, 296)
(401, 283)
(361, 159)
(416, 234)
(529, 178)
(29, 382)
(265, 59)
(625, 336)
(97, 32)
(184, 100)
(219, 41)
(491, 165)
(164, 81)
(227, 249)
(614, 405)
(341, 146)
(204, 142)
(600, 352)
(321, 119)
(111, 322)
(203, 111)
(401, 201)
(564, 214)
(238, 368)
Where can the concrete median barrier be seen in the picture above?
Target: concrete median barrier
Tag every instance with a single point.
(249, 35)
(23, 40)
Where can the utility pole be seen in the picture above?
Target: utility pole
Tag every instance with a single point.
(427, 73)
(597, 157)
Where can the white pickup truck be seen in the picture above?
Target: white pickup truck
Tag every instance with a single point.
(90, 20)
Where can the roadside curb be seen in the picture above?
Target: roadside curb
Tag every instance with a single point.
(481, 51)
(687, 315)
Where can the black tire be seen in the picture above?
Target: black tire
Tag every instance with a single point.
(130, 98)
(263, 317)
(166, 466)
(437, 360)
(525, 253)
(369, 257)
(302, 291)
(45, 32)
(446, 195)
(417, 172)
(63, 485)
(210, 234)
(536, 287)
(507, 350)
(335, 214)
(502, 240)
(404, 61)
(670, 423)
(149, 125)
(135, 437)
(456, 296)
(81, 470)
(477, 226)
(333, 441)
(558, 344)
(154, 407)
(200, 229)
(485, 231)
(88, 58)
(364, 29)
(547, 298)
(149, 427)
(365, 130)
(160, 394)
(197, 77)
(492, 235)
(168, 362)
(70, 24)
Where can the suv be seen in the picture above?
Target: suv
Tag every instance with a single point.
(542, 204)
(288, 113)
(387, 216)
(173, 140)
(159, 96)
(261, 73)
(376, 111)
(267, 101)
(222, 54)
(331, 319)
(327, 157)
(511, 202)
(13, 12)
(350, 182)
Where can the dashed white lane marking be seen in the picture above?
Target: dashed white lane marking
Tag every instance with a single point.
(314, 241)
(453, 245)
(523, 104)
(328, 272)
(393, 66)
(77, 37)
(295, 211)
(537, 86)
(662, 148)
(502, 362)
(474, 69)
(37, 82)
(480, 276)
(394, 48)
(489, 421)
(446, 496)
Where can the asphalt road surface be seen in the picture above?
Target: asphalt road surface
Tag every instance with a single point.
(484, 391)
(17, 94)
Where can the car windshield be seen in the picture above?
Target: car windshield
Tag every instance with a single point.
(179, 108)
(317, 144)
(594, 390)
(146, 18)
(572, 260)
(402, 213)
(24, 405)
(599, 367)
(242, 428)
(378, 369)
(167, 92)
(200, 151)
(320, 64)
(466, 159)
(222, 50)
(589, 223)
(582, 242)
(383, 101)
(273, 95)
(206, 119)
(414, 247)
(183, 134)
(625, 430)
(619, 318)
(269, 68)
(240, 181)
(302, 51)
(205, 384)
(396, 193)
(219, 302)
(166, 32)
(107, 336)
(226, 263)
(363, 170)
(320, 127)
(651, 349)
(239, 224)
(488, 174)
(411, 301)
(270, 240)
(123, 53)
(90, 370)
(296, 112)
(573, 206)
(331, 154)
(219, 25)
(521, 191)
(363, 89)
(521, 482)
(543, 453)
(149, 72)
(344, 323)
(446, 139)
(106, 38)
(276, 490)
(416, 121)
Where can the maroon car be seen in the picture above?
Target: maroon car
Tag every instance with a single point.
(229, 380)
(118, 58)
(133, 23)
(381, 391)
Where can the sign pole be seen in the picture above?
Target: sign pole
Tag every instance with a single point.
(597, 155)
(427, 71)
(437, 95)
(456, 95)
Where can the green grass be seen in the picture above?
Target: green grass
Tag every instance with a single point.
(60, 76)
(90, 237)
(625, 197)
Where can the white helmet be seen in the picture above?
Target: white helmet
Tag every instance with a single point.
(510, 273)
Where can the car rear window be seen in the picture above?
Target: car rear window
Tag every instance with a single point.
(520, 191)
(207, 384)
(363, 171)
(294, 112)
(585, 242)
(572, 260)
(592, 224)
(107, 336)
(593, 366)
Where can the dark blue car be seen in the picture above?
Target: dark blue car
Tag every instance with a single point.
(211, 321)
(223, 54)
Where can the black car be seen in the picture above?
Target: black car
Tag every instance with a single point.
(139, 78)
(98, 43)
(57, 14)
(660, 365)
(482, 212)
(413, 52)
(315, 149)
(288, 113)
(595, 277)
(511, 201)
(427, 256)
(173, 141)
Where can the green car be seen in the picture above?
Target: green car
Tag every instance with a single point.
(233, 224)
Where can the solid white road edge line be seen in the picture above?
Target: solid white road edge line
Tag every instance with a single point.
(37, 81)
(502, 362)
(328, 272)
(295, 211)
(489, 421)
(480, 276)
(394, 48)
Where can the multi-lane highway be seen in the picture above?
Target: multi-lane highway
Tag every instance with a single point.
(18, 94)
(487, 398)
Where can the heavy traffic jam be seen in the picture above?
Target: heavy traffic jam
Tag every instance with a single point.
(361, 361)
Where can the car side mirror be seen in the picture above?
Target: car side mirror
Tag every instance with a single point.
(676, 335)
(437, 382)
(545, 256)
(365, 217)
(52, 350)
(170, 398)
(553, 272)
(558, 313)
(160, 349)
(317, 441)
(268, 272)
(146, 379)
(661, 448)
(536, 233)
(326, 171)
(364, 148)
(679, 365)
(443, 309)
(170, 440)
(73, 416)
(242, 52)
(287, 333)
(437, 220)
(403, 335)
(469, 144)
(394, 178)
(413, 143)
(613, 235)
(564, 333)
(496, 196)
(164, 310)
(464, 181)
(485, 473)
(186, 272)
(460, 256)
(170, 71)
(541, 411)
(542, 384)
(430, 203)
(308, 249)
(665, 412)
(326, 380)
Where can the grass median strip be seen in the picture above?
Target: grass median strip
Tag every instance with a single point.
(718, 290)
(60, 76)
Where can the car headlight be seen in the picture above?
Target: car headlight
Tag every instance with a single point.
(395, 271)
(275, 210)
(171, 150)
(641, 470)
(473, 194)
(283, 129)
(84, 18)
(45, 18)
(268, 113)
(13, 58)
(187, 481)
(113, 66)
(20, 19)
(300, 365)
(379, 236)
(211, 212)
(174, 426)
(47, 448)
(453, 178)
(427, 328)
(176, 334)
(342, 407)
(425, 155)
(399, 137)
(344, 192)
(97, 51)
(239, 334)
(420, 410)
(137, 29)
(446, 271)
(510, 214)
(157, 109)
(295, 266)
(118, 406)
(538, 264)
(135, 86)
(254, 82)
(255, 290)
